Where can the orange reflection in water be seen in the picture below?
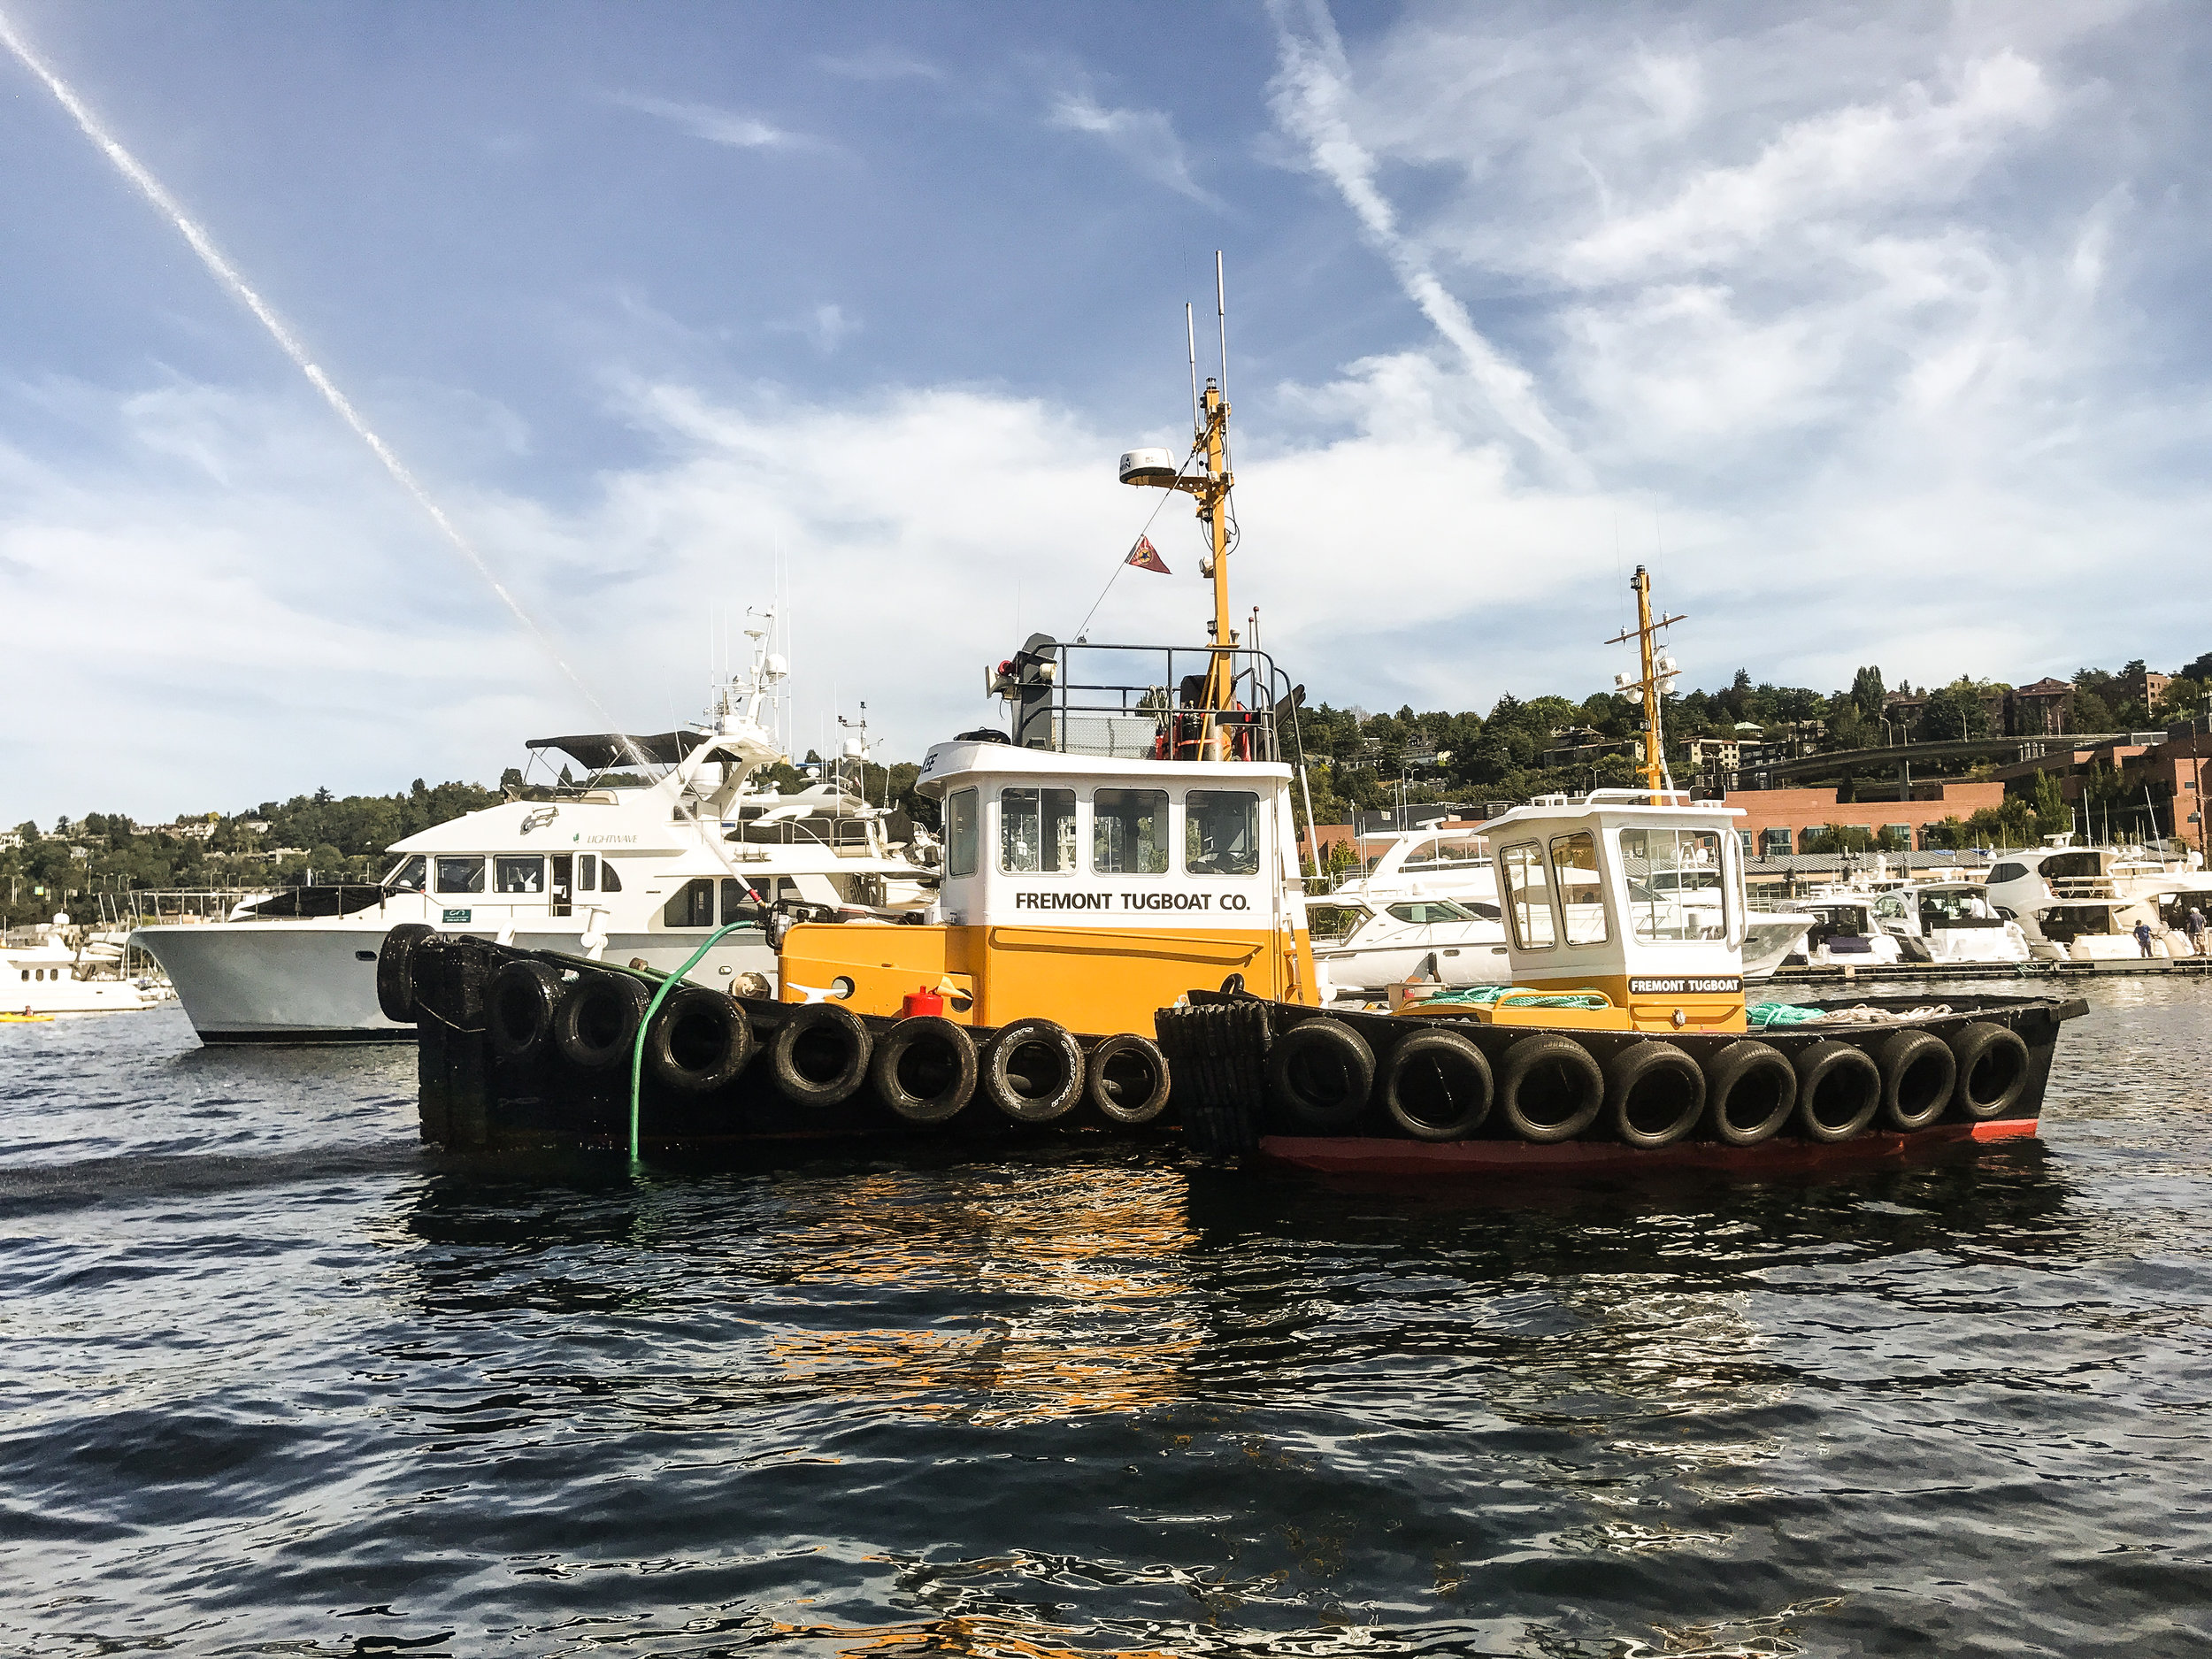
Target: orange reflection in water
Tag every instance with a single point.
(985, 1638)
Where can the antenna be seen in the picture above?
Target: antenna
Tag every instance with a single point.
(1221, 310)
(1190, 332)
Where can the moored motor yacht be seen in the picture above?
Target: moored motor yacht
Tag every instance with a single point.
(1361, 945)
(48, 975)
(2083, 904)
(665, 842)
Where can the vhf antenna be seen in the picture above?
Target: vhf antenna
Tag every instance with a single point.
(1190, 332)
(1221, 310)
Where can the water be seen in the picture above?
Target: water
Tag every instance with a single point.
(275, 1381)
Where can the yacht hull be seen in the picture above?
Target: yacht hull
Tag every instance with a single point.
(295, 982)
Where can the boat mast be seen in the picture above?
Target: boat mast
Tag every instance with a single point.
(1650, 690)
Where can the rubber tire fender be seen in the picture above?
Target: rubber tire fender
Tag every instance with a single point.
(580, 1029)
(520, 1008)
(396, 971)
(1638, 1064)
(732, 1036)
(1458, 1072)
(1981, 1041)
(1738, 1065)
(820, 1025)
(1900, 1056)
(1579, 1066)
(1824, 1065)
(1300, 1065)
(1109, 1089)
(921, 1031)
(1000, 1055)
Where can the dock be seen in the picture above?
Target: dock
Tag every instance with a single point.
(1922, 972)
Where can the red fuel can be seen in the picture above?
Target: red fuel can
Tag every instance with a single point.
(923, 1001)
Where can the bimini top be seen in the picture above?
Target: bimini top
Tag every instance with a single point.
(597, 752)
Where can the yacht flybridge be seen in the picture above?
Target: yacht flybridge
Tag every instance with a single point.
(666, 841)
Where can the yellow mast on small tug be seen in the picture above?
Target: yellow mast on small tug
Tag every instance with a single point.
(1650, 691)
(1210, 417)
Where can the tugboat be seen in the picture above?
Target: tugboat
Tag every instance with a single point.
(1624, 1039)
(1121, 942)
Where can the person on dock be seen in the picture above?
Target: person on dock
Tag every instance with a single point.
(2143, 936)
(2194, 928)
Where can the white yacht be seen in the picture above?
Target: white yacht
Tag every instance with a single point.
(1362, 945)
(48, 976)
(2082, 903)
(1949, 921)
(1432, 862)
(666, 841)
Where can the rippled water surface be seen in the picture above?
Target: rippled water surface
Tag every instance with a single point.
(272, 1380)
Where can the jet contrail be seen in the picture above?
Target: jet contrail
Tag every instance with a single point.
(227, 274)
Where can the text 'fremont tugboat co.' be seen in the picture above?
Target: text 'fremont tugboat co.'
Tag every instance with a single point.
(1131, 901)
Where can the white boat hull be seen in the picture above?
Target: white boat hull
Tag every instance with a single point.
(315, 982)
(1768, 938)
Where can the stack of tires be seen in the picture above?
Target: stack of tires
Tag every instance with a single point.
(1437, 1084)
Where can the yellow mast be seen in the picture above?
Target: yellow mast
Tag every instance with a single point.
(1650, 690)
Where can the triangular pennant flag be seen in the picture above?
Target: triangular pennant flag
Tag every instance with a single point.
(1145, 557)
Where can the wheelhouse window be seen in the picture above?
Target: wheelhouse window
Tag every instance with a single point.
(1528, 896)
(692, 905)
(1129, 832)
(588, 872)
(1221, 832)
(960, 833)
(1574, 866)
(516, 873)
(461, 875)
(407, 876)
(1036, 832)
(1675, 887)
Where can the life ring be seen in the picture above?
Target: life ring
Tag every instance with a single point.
(1437, 1086)
(1993, 1066)
(698, 1040)
(598, 1018)
(396, 971)
(1654, 1094)
(1750, 1090)
(1917, 1071)
(925, 1068)
(1839, 1091)
(1127, 1079)
(1032, 1071)
(820, 1054)
(1321, 1071)
(1552, 1089)
(521, 1006)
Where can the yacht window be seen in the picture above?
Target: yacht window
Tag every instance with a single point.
(1221, 832)
(461, 875)
(1036, 832)
(741, 903)
(693, 905)
(1574, 864)
(1692, 858)
(407, 876)
(515, 873)
(1333, 924)
(1129, 832)
(2008, 872)
(609, 880)
(960, 833)
(563, 882)
(586, 873)
(1528, 896)
(1425, 911)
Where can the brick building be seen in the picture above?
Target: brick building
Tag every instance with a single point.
(2039, 710)
(1776, 819)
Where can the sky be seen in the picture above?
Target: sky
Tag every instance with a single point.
(1876, 331)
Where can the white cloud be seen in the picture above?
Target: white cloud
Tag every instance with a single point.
(718, 126)
(1144, 138)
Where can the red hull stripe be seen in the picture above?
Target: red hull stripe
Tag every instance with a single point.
(1364, 1156)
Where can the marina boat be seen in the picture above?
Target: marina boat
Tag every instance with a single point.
(1772, 938)
(2083, 903)
(666, 844)
(1948, 921)
(1362, 946)
(50, 976)
(1434, 863)
(1124, 934)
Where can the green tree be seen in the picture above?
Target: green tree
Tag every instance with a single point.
(2053, 814)
(1866, 691)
